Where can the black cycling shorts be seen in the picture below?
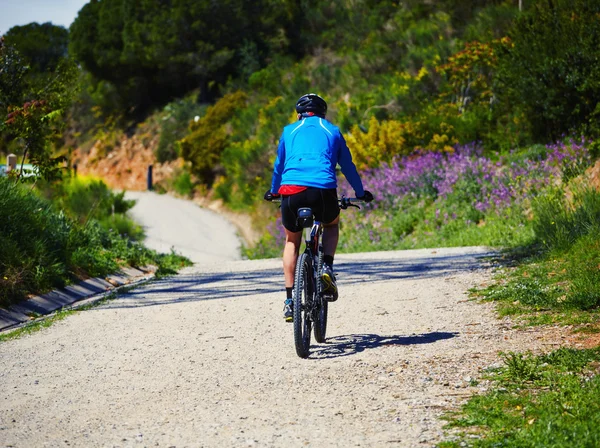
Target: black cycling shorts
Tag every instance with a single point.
(323, 202)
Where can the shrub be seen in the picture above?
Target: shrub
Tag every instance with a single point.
(552, 70)
(209, 137)
(182, 184)
(123, 226)
(33, 242)
(174, 122)
(87, 198)
(248, 163)
(459, 198)
(42, 248)
(84, 198)
(379, 144)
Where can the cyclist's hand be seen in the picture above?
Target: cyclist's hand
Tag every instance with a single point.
(367, 197)
(270, 196)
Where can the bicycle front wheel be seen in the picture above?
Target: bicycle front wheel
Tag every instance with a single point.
(303, 302)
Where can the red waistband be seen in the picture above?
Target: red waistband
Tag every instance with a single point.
(289, 190)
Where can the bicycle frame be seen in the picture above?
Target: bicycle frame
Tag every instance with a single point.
(313, 237)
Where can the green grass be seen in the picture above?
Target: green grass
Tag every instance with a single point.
(560, 281)
(536, 401)
(418, 227)
(267, 247)
(170, 264)
(557, 286)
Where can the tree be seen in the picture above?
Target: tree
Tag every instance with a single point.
(553, 72)
(154, 50)
(32, 109)
(12, 76)
(43, 46)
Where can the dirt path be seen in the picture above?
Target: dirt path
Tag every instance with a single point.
(201, 234)
(205, 360)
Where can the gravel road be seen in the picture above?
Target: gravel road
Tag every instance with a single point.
(204, 359)
(201, 235)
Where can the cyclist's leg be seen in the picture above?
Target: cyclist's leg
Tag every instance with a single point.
(293, 239)
(290, 255)
(293, 235)
(331, 235)
(330, 219)
(330, 239)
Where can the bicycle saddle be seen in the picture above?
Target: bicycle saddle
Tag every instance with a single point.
(305, 217)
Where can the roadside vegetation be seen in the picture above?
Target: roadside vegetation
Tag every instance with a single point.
(83, 232)
(549, 276)
(547, 400)
(559, 283)
(55, 229)
(473, 123)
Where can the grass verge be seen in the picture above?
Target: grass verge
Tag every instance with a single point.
(548, 400)
(561, 286)
(536, 401)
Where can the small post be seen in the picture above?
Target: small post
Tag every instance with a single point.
(11, 162)
(149, 177)
(74, 170)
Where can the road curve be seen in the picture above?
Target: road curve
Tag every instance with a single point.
(198, 233)
(204, 359)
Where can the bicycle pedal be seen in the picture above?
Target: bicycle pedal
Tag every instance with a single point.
(330, 297)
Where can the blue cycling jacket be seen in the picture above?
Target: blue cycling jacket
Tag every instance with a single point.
(308, 153)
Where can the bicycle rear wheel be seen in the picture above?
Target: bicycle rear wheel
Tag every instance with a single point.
(321, 304)
(303, 302)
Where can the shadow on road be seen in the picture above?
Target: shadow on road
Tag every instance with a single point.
(225, 285)
(352, 344)
(198, 286)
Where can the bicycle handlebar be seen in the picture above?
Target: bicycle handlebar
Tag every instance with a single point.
(343, 202)
(349, 202)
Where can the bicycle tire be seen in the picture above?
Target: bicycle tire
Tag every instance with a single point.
(302, 300)
(321, 305)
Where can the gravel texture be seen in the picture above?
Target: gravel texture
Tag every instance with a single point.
(204, 359)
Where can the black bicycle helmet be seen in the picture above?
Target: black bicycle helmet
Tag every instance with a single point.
(311, 102)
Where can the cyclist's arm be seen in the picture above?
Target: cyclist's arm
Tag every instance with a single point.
(278, 166)
(348, 167)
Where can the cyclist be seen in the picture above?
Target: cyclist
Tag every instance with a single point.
(304, 176)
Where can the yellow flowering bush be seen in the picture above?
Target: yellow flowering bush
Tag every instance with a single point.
(387, 139)
(380, 143)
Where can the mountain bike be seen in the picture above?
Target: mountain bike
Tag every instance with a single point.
(310, 301)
